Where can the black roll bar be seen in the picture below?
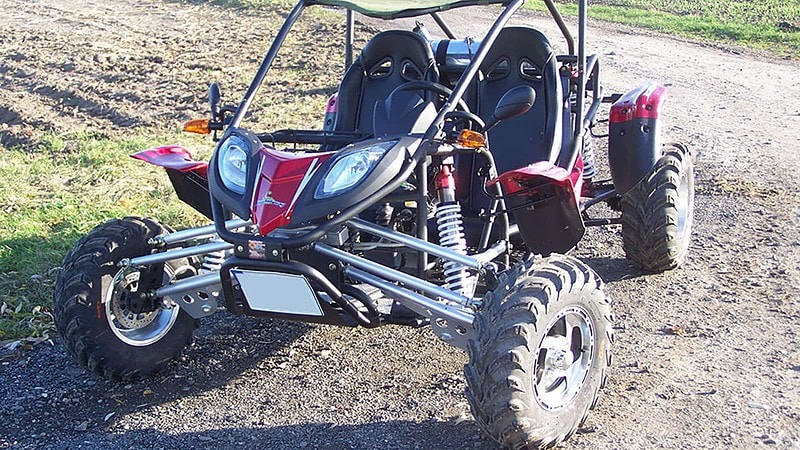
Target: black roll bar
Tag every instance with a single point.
(581, 94)
(447, 30)
(562, 25)
(348, 40)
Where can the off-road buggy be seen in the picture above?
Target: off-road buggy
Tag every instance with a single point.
(449, 179)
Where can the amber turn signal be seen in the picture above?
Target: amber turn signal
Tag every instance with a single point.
(197, 126)
(471, 139)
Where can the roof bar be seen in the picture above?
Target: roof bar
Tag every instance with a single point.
(443, 25)
(561, 25)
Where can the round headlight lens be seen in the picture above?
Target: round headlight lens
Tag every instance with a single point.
(232, 162)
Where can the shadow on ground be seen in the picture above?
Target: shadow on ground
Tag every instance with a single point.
(397, 434)
(46, 394)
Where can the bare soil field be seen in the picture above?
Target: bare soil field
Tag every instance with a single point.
(706, 356)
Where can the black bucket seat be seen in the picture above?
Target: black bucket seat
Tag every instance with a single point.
(519, 56)
(389, 59)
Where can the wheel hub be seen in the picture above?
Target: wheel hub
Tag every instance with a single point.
(130, 323)
(564, 359)
(124, 307)
(556, 360)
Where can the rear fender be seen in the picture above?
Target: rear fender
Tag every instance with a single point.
(189, 177)
(634, 143)
(544, 200)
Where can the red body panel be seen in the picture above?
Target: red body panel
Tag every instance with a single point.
(643, 102)
(281, 179)
(521, 179)
(333, 104)
(173, 157)
(331, 108)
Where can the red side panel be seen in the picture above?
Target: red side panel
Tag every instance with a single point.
(172, 157)
(643, 102)
(541, 172)
(282, 178)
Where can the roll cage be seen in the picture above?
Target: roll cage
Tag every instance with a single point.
(584, 77)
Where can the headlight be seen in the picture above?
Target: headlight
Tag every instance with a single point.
(232, 161)
(350, 169)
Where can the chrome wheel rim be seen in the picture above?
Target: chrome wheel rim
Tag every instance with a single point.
(137, 329)
(684, 204)
(564, 358)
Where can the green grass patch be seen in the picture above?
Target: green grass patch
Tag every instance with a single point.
(55, 193)
(770, 24)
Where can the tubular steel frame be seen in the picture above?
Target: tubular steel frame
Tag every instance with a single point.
(438, 303)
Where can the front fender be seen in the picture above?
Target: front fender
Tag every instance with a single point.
(173, 157)
(189, 177)
(544, 200)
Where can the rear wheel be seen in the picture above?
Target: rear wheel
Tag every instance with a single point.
(97, 310)
(540, 359)
(657, 213)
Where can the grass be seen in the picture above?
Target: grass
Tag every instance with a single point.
(772, 25)
(58, 191)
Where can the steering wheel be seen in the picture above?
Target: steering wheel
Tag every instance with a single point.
(462, 112)
(429, 86)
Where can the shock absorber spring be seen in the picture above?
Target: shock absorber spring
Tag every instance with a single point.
(451, 233)
(588, 157)
(212, 262)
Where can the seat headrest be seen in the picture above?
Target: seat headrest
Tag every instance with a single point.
(395, 49)
(516, 43)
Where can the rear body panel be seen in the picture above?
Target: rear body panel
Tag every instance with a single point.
(634, 143)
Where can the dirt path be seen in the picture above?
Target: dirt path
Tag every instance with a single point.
(706, 356)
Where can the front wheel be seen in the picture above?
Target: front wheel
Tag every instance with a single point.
(540, 359)
(98, 313)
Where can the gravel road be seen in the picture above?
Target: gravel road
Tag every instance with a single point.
(706, 356)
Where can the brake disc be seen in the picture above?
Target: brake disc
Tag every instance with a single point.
(126, 283)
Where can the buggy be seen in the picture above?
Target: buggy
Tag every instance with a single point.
(447, 184)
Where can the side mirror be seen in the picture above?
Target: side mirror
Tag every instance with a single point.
(514, 103)
(214, 99)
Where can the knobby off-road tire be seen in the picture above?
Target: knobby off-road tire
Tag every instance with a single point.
(540, 358)
(657, 213)
(588, 155)
(82, 307)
